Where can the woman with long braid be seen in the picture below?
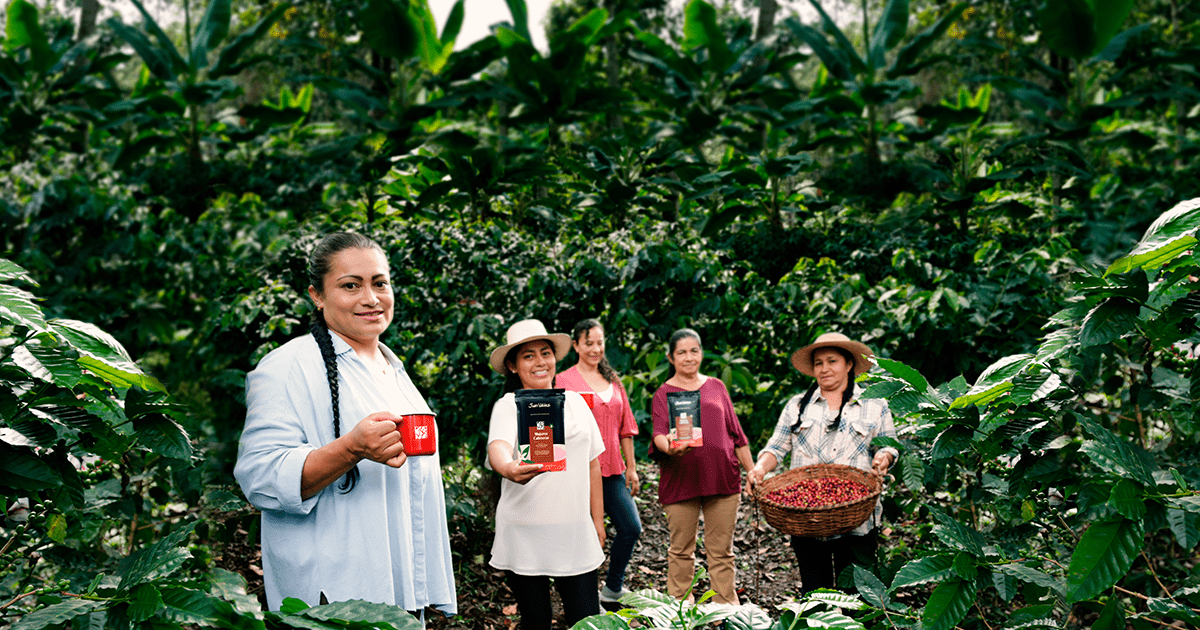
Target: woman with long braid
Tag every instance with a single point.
(347, 514)
(828, 424)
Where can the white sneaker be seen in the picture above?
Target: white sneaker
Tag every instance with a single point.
(610, 596)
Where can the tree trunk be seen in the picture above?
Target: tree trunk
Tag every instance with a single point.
(766, 18)
(612, 65)
(87, 19)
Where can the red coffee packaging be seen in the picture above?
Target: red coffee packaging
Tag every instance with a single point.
(684, 409)
(541, 435)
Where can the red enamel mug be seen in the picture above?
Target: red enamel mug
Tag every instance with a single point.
(589, 398)
(418, 432)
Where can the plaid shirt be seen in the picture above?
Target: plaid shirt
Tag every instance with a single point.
(849, 444)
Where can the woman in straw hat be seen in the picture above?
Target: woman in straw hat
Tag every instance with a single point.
(828, 424)
(699, 479)
(548, 524)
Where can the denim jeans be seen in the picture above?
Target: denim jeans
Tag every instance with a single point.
(619, 507)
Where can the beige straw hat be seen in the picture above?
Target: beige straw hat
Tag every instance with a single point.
(529, 330)
(803, 360)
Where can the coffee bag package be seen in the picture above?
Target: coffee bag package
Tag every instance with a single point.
(684, 408)
(541, 436)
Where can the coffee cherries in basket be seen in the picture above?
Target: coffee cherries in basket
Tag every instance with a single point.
(819, 492)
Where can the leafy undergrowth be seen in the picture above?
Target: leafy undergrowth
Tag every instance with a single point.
(766, 571)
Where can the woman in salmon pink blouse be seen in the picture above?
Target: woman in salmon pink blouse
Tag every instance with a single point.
(610, 405)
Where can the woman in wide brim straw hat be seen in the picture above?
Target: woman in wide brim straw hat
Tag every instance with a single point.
(828, 424)
(548, 524)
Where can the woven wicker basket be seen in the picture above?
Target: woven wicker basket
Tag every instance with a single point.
(828, 520)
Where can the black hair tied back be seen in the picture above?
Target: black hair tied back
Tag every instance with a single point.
(318, 265)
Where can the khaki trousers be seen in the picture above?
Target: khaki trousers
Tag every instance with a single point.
(683, 520)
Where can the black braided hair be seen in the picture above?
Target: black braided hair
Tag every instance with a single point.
(319, 263)
(682, 333)
(579, 334)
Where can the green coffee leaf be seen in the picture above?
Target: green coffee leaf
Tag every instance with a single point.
(870, 588)
(145, 604)
(17, 307)
(12, 272)
(163, 435)
(1108, 321)
(1031, 575)
(1112, 617)
(948, 604)
(56, 615)
(1114, 453)
(1103, 556)
(924, 570)
(1171, 235)
(1186, 527)
(159, 559)
(188, 606)
(958, 535)
(1128, 499)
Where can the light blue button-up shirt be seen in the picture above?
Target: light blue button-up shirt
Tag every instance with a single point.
(386, 541)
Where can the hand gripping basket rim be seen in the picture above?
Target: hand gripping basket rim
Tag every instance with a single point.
(827, 520)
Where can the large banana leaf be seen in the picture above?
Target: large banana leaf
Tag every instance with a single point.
(22, 29)
(889, 31)
(213, 28)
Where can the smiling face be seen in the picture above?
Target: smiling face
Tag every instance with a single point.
(357, 296)
(533, 362)
(590, 346)
(831, 369)
(686, 356)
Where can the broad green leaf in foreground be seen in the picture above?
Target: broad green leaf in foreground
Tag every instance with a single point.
(1172, 234)
(948, 604)
(56, 615)
(357, 610)
(995, 380)
(871, 588)
(159, 559)
(104, 355)
(1185, 526)
(924, 570)
(1031, 575)
(1102, 558)
(1108, 321)
(1113, 453)
(10, 271)
(17, 307)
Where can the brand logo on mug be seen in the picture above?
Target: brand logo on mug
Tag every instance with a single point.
(421, 433)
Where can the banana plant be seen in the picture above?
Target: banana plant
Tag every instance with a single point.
(174, 90)
(867, 76)
(554, 89)
(42, 79)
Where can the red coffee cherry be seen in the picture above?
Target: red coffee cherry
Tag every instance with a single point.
(819, 492)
